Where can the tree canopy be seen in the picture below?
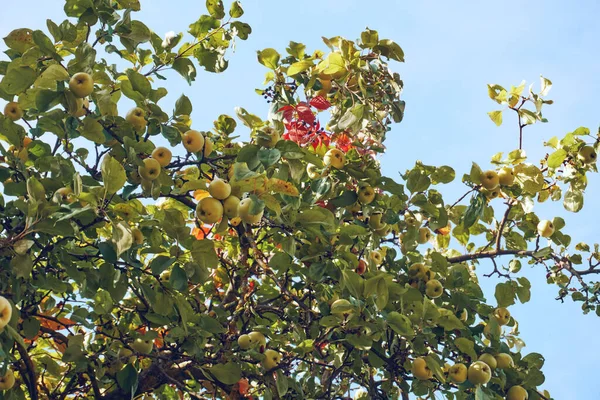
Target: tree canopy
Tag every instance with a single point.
(146, 255)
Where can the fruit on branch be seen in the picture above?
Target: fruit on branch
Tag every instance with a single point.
(335, 158)
(162, 155)
(151, 169)
(376, 257)
(81, 84)
(272, 359)
(491, 194)
(366, 194)
(420, 370)
(362, 267)
(209, 210)
(424, 235)
(502, 315)
(21, 154)
(244, 211)
(458, 373)
(313, 171)
(257, 339)
(504, 361)
(13, 111)
(219, 189)
(418, 270)
(83, 105)
(412, 219)
(464, 315)
(342, 308)
(587, 155)
(8, 380)
(136, 117)
(64, 195)
(268, 137)
(489, 360)
(244, 342)
(208, 147)
(517, 393)
(375, 221)
(143, 346)
(489, 179)
(5, 312)
(138, 236)
(193, 141)
(506, 176)
(545, 228)
(434, 288)
(491, 331)
(230, 206)
(479, 373)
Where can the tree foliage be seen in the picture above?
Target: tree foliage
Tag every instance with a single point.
(130, 269)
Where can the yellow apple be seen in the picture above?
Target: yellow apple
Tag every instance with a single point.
(313, 171)
(335, 157)
(491, 194)
(193, 141)
(458, 373)
(64, 195)
(464, 315)
(21, 154)
(209, 210)
(7, 381)
(490, 180)
(376, 257)
(244, 212)
(5, 312)
(244, 342)
(545, 228)
(208, 147)
(434, 288)
(235, 221)
(412, 220)
(375, 221)
(230, 206)
(219, 189)
(506, 176)
(424, 235)
(417, 270)
(13, 111)
(342, 308)
(81, 84)
(366, 194)
(138, 236)
(271, 141)
(135, 117)
(162, 155)
(272, 359)
(420, 370)
(489, 360)
(587, 155)
(504, 361)
(257, 339)
(151, 169)
(479, 373)
(517, 393)
(143, 346)
(502, 315)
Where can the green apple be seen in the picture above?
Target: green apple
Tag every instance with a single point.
(313, 171)
(342, 308)
(506, 176)
(479, 373)
(434, 288)
(219, 189)
(489, 179)
(420, 370)
(502, 315)
(366, 194)
(136, 117)
(417, 270)
(193, 141)
(257, 339)
(376, 257)
(504, 361)
(458, 373)
(244, 342)
(268, 137)
(489, 360)
(5, 312)
(208, 147)
(375, 221)
(545, 228)
(464, 315)
(587, 155)
(81, 84)
(143, 346)
(424, 235)
(244, 212)
(83, 105)
(64, 195)
(7, 381)
(272, 359)
(13, 111)
(230, 206)
(491, 194)
(151, 169)
(138, 236)
(162, 155)
(209, 210)
(517, 393)
(335, 158)
(492, 330)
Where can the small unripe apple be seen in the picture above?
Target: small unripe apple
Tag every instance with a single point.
(366, 194)
(434, 288)
(458, 373)
(375, 221)
(479, 373)
(489, 360)
(193, 141)
(5, 312)
(142, 346)
(489, 179)
(417, 270)
(376, 257)
(244, 342)
(342, 308)
(517, 393)
(492, 330)
(219, 189)
(7, 381)
(136, 117)
(502, 315)
(335, 157)
(13, 111)
(420, 370)
(138, 236)
(209, 210)
(504, 361)
(230, 206)
(162, 155)
(244, 212)
(545, 228)
(64, 195)
(362, 267)
(424, 235)
(272, 359)
(587, 154)
(271, 139)
(257, 339)
(81, 84)
(208, 147)
(506, 176)
(151, 169)
(83, 105)
(313, 171)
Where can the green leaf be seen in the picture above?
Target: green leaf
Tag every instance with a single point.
(382, 294)
(186, 68)
(417, 181)
(353, 282)
(351, 117)
(203, 253)
(215, 8)
(281, 383)
(19, 40)
(127, 379)
(466, 346)
(268, 157)
(505, 294)
(269, 58)
(93, 130)
(299, 66)
(236, 10)
(160, 264)
(573, 200)
(122, 237)
(400, 324)
(241, 29)
(556, 159)
(348, 197)
(496, 117)
(113, 174)
(139, 82)
(17, 80)
(228, 373)
(183, 106)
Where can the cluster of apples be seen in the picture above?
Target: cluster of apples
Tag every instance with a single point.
(256, 340)
(221, 202)
(419, 272)
(492, 181)
(8, 380)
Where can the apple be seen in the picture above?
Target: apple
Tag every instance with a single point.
(335, 157)
(151, 169)
(135, 117)
(366, 194)
(244, 342)
(428, 275)
(489, 360)
(424, 235)
(209, 210)
(21, 154)
(64, 195)
(257, 339)
(517, 393)
(412, 220)
(13, 111)
(341, 308)
(491, 194)
(5, 312)
(138, 236)
(479, 373)
(325, 87)
(313, 171)
(83, 105)
(219, 189)
(545, 228)
(235, 221)
(272, 359)
(244, 212)
(230, 206)
(504, 361)
(162, 155)
(489, 179)
(362, 267)
(81, 84)
(27, 141)
(420, 370)
(7, 381)
(193, 141)
(375, 221)
(464, 315)
(490, 332)
(502, 315)
(417, 270)
(208, 147)
(143, 346)
(506, 176)
(458, 373)
(434, 288)
(587, 155)
(376, 257)
(271, 141)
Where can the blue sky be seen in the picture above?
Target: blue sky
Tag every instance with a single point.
(453, 49)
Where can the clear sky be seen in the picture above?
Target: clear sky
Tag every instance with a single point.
(453, 49)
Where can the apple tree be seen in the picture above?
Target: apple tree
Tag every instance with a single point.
(146, 256)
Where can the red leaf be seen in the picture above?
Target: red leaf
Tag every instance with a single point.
(305, 113)
(320, 103)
